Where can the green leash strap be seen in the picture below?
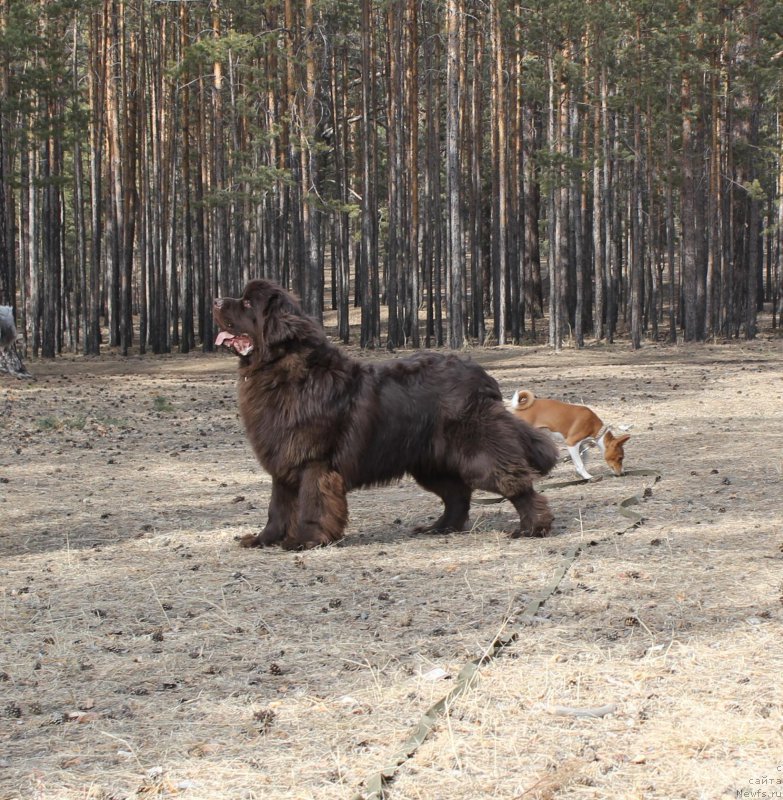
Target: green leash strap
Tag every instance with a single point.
(635, 499)
(374, 785)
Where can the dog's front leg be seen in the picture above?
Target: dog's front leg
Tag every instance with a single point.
(576, 457)
(322, 509)
(282, 513)
(281, 516)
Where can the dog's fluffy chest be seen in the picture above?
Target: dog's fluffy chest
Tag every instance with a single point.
(287, 425)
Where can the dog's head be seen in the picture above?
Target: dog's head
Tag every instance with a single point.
(613, 451)
(263, 319)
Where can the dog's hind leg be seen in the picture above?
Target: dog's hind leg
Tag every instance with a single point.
(455, 494)
(535, 516)
(515, 483)
(495, 452)
(322, 509)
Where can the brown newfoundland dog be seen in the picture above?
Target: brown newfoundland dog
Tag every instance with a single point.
(322, 423)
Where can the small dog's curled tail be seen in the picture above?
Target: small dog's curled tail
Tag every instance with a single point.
(522, 399)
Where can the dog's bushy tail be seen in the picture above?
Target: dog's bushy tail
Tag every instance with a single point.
(543, 453)
(522, 399)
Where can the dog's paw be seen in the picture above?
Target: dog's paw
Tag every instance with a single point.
(270, 536)
(435, 530)
(535, 533)
(541, 529)
(451, 524)
(306, 542)
(250, 540)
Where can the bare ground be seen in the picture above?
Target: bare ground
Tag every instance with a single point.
(144, 654)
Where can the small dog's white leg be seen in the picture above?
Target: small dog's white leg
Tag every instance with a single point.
(577, 459)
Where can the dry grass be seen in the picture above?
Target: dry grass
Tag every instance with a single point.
(144, 654)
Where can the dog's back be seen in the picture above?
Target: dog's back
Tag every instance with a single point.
(573, 422)
(430, 412)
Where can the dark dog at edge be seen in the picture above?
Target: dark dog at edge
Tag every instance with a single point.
(322, 423)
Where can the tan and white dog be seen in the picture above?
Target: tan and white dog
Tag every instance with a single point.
(575, 426)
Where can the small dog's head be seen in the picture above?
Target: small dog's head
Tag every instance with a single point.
(613, 451)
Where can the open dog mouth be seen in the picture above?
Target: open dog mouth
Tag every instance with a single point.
(241, 344)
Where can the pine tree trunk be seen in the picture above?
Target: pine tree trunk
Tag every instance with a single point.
(499, 236)
(367, 277)
(411, 123)
(599, 191)
(637, 236)
(688, 208)
(456, 255)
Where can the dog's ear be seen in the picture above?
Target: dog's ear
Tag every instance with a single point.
(283, 320)
(622, 439)
(255, 298)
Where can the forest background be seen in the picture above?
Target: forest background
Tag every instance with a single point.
(440, 171)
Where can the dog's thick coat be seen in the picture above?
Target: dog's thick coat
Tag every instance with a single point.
(322, 423)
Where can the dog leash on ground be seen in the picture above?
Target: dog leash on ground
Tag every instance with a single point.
(509, 632)
(623, 506)
(374, 785)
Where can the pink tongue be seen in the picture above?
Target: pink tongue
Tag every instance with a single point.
(241, 344)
